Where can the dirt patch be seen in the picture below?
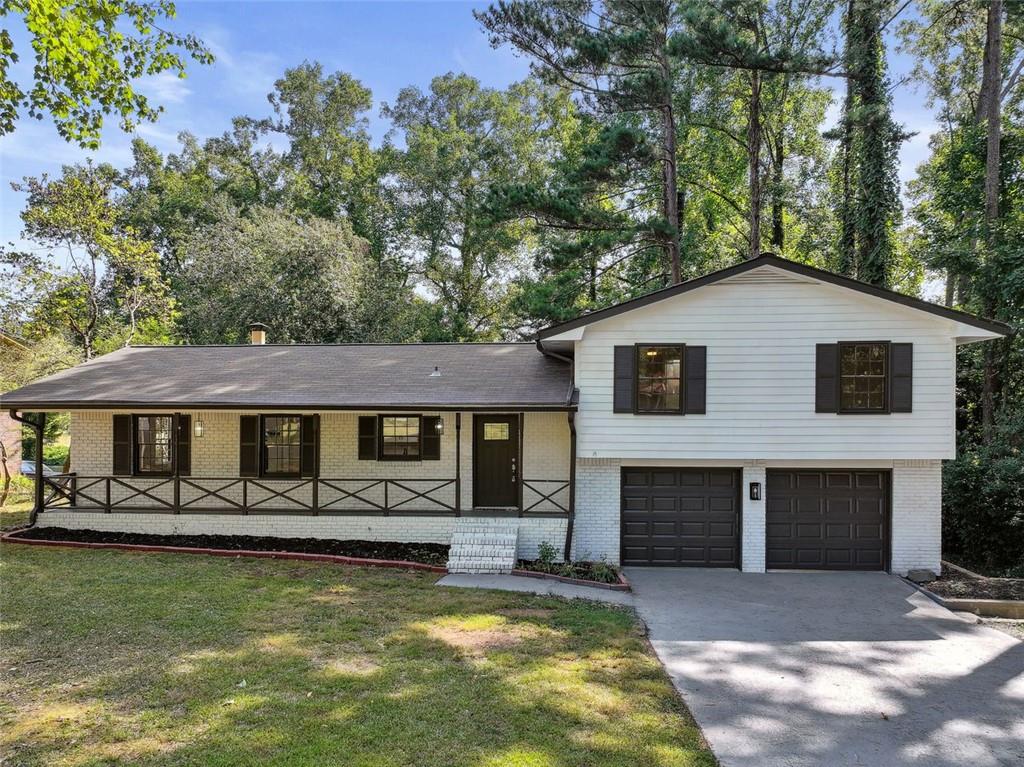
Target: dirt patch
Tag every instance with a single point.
(954, 585)
(475, 641)
(427, 553)
(600, 572)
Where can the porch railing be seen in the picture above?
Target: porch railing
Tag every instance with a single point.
(261, 495)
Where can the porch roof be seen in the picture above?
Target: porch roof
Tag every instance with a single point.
(308, 377)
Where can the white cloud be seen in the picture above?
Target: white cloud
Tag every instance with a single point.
(165, 88)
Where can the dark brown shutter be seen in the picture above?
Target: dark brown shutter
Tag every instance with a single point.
(309, 457)
(826, 372)
(431, 438)
(367, 438)
(183, 446)
(122, 445)
(901, 378)
(624, 379)
(695, 368)
(249, 446)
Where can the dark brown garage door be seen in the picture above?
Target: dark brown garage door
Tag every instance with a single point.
(678, 517)
(827, 520)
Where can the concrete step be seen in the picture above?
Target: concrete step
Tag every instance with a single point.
(483, 546)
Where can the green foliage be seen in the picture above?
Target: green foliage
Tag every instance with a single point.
(301, 277)
(56, 455)
(88, 56)
(547, 556)
(98, 277)
(982, 503)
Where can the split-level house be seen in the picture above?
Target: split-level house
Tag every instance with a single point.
(766, 416)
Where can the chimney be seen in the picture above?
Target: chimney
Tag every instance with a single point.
(258, 333)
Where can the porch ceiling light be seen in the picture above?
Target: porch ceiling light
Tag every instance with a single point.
(198, 427)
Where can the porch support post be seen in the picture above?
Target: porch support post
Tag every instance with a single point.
(572, 486)
(177, 468)
(458, 464)
(37, 426)
(519, 459)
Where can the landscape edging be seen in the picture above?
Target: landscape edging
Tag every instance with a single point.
(294, 555)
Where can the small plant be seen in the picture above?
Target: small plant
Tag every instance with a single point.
(604, 572)
(546, 555)
(567, 570)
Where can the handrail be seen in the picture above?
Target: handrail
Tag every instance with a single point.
(244, 495)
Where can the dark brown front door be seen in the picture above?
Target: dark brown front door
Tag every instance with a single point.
(495, 461)
(834, 519)
(681, 517)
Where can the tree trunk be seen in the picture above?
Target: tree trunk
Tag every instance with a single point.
(991, 95)
(670, 199)
(6, 489)
(847, 238)
(950, 287)
(754, 162)
(778, 234)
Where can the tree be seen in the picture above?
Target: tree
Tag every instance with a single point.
(99, 277)
(615, 54)
(88, 57)
(460, 140)
(21, 366)
(302, 277)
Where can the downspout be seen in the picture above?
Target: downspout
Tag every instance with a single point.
(572, 486)
(37, 427)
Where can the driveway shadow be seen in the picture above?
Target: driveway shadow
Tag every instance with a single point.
(836, 669)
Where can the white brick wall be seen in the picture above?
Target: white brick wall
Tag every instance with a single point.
(753, 533)
(598, 490)
(409, 529)
(215, 454)
(916, 515)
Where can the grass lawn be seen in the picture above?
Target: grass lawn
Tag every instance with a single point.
(162, 659)
(15, 513)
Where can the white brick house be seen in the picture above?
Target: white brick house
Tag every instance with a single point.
(767, 416)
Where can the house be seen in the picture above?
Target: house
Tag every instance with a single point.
(10, 430)
(766, 416)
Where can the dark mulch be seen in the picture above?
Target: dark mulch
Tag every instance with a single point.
(954, 585)
(588, 571)
(427, 553)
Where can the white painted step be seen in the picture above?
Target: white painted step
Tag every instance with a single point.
(481, 545)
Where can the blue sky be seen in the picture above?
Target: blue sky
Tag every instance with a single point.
(386, 45)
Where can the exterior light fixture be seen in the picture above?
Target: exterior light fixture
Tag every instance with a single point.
(198, 427)
(439, 425)
(436, 373)
(755, 491)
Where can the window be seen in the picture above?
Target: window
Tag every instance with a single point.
(495, 431)
(658, 379)
(282, 445)
(863, 377)
(154, 444)
(400, 438)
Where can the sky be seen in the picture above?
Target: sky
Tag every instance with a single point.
(385, 45)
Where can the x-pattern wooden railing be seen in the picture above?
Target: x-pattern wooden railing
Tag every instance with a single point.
(249, 494)
(545, 495)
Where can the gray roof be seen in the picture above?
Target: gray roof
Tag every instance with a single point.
(311, 377)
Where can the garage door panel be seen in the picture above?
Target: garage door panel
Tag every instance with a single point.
(832, 519)
(680, 517)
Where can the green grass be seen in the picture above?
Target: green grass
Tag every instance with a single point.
(15, 512)
(117, 658)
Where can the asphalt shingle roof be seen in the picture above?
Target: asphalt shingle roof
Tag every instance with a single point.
(306, 377)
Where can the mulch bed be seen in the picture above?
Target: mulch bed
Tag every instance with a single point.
(954, 585)
(425, 553)
(583, 571)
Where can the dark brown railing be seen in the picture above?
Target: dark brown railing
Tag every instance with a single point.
(259, 495)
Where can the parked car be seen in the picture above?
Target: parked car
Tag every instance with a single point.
(28, 469)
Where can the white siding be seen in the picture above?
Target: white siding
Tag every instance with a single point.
(760, 339)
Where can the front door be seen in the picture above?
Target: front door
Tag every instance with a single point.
(495, 461)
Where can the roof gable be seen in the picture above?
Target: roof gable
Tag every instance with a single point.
(770, 268)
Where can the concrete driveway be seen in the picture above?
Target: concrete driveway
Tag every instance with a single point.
(833, 670)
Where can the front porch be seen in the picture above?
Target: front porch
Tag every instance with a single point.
(511, 472)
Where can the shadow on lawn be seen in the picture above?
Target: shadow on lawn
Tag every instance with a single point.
(343, 666)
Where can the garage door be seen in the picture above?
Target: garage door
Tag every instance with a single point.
(679, 517)
(827, 520)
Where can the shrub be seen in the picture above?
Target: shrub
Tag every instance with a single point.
(983, 503)
(56, 455)
(546, 556)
